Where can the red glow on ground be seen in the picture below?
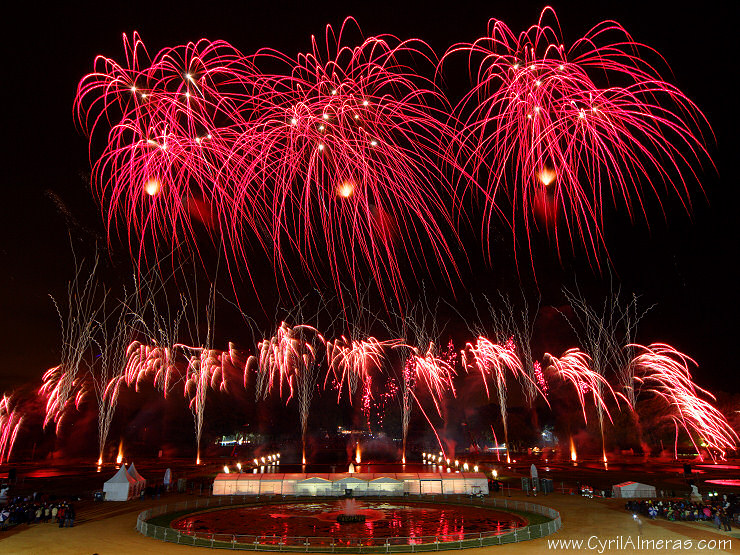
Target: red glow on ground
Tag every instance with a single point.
(383, 519)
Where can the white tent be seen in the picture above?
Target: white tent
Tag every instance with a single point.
(271, 484)
(313, 486)
(141, 482)
(355, 485)
(475, 483)
(633, 489)
(385, 486)
(361, 484)
(235, 484)
(121, 487)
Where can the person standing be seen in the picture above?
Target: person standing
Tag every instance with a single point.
(726, 520)
(69, 517)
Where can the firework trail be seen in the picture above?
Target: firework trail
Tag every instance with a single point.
(408, 385)
(159, 319)
(566, 129)
(205, 369)
(574, 367)
(289, 357)
(662, 370)
(10, 422)
(539, 377)
(422, 364)
(114, 334)
(151, 364)
(62, 386)
(492, 360)
(61, 393)
(344, 153)
(435, 374)
(204, 364)
(521, 325)
(157, 361)
(604, 331)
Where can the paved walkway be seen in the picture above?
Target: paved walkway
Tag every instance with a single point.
(109, 528)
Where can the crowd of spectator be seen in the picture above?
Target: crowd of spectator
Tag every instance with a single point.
(720, 512)
(32, 511)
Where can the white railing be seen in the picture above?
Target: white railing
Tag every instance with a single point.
(353, 545)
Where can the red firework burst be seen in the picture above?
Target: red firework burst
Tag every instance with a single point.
(344, 154)
(172, 124)
(562, 130)
(664, 371)
(575, 367)
(11, 419)
(331, 156)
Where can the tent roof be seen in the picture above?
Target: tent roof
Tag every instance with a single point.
(638, 485)
(273, 477)
(121, 477)
(134, 474)
(386, 480)
(386, 477)
(351, 479)
(474, 476)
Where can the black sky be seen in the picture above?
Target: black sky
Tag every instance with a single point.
(687, 265)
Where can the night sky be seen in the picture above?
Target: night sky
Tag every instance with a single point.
(684, 264)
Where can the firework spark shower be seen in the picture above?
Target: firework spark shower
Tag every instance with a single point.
(351, 157)
(561, 130)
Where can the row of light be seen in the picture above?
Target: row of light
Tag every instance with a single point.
(268, 460)
(516, 66)
(430, 458)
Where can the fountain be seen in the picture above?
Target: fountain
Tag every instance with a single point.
(349, 514)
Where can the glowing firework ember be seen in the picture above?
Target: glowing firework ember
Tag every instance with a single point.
(664, 371)
(574, 127)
